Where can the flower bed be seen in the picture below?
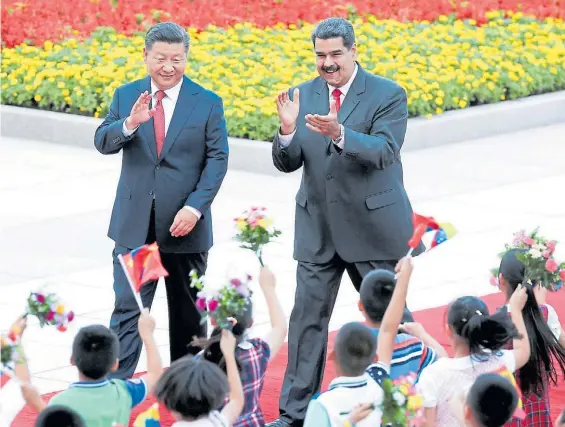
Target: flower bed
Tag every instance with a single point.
(35, 21)
(443, 65)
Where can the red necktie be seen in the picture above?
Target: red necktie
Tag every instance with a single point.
(159, 121)
(337, 98)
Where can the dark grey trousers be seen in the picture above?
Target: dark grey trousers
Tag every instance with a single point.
(317, 286)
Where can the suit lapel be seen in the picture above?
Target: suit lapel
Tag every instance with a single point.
(147, 129)
(352, 98)
(322, 104)
(185, 105)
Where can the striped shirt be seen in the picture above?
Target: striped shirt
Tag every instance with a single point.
(410, 356)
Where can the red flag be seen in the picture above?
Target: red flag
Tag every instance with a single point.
(144, 264)
(421, 225)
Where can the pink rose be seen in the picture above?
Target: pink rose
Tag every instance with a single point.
(50, 316)
(236, 283)
(70, 316)
(528, 241)
(562, 275)
(212, 305)
(546, 254)
(551, 246)
(40, 298)
(551, 265)
(201, 304)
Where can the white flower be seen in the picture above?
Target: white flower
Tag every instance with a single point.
(539, 247)
(399, 398)
(534, 253)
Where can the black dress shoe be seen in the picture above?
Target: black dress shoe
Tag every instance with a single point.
(279, 423)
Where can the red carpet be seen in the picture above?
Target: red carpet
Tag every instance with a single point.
(433, 321)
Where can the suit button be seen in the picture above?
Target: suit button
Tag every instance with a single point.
(328, 177)
(150, 192)
(158, 167)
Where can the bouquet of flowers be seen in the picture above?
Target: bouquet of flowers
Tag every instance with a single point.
(401, 406)
(9, 350)
(224, 302)
(538, 257)
(255, 230)
(49, 309)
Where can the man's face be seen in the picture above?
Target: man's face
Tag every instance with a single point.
(335, 63)
(165, 63)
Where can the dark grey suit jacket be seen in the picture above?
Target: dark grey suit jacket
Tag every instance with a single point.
(189, 171)
(351, 202)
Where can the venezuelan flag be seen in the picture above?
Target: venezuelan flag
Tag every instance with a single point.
(430, 232)
(149, 418)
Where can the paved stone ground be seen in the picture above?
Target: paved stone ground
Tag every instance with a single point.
(56, 203)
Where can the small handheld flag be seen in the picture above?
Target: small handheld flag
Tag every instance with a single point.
(140, 266)
(149, 418)
(435, 232)
(504, 372)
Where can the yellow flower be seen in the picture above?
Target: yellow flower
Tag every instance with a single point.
(60, 309)
(265, 222)
(241, 225)
(415, 403)
(37, 97)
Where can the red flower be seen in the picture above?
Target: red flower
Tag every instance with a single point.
(12, 336)
(546, 254)
(236, 283)
(50, 316)
(201, 304)
(528, 241)
(70, 316)
(61, 328)
(40, 298)
(551, 265)
(551, 246)
(212, 305)
(562, 275)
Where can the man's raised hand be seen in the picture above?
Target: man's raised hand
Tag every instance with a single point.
(140, 112)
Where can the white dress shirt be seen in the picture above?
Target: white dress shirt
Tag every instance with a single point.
(285, 140)
(169, 102)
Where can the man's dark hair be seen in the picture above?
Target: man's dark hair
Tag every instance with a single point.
(167, 32)
(376, 292)
(332, 28)
(355, 348)
(95, 350)
(59, 416)
(492, 400)
(192, 388)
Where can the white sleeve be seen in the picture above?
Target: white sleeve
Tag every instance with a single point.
(126, 131)
(509, 360)
(426, 387)
(285, 140)
(553, 321)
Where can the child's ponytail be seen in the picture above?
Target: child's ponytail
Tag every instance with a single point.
(543, 343)
(469, 318)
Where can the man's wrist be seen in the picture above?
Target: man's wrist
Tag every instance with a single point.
(130, 125)
(339, 136)
(287, 130)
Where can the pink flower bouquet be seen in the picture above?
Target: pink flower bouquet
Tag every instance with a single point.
(49, 310)
(255, 230)
(538, 257)
(223, 302)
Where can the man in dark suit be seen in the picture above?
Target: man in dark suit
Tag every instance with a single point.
(346, 127)
(173, 138)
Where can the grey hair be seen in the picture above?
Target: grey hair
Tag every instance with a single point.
(167, 32)
(333, 28)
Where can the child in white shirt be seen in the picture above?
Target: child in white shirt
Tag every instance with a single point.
(193, 390)
(353, 353)
(477, 339)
